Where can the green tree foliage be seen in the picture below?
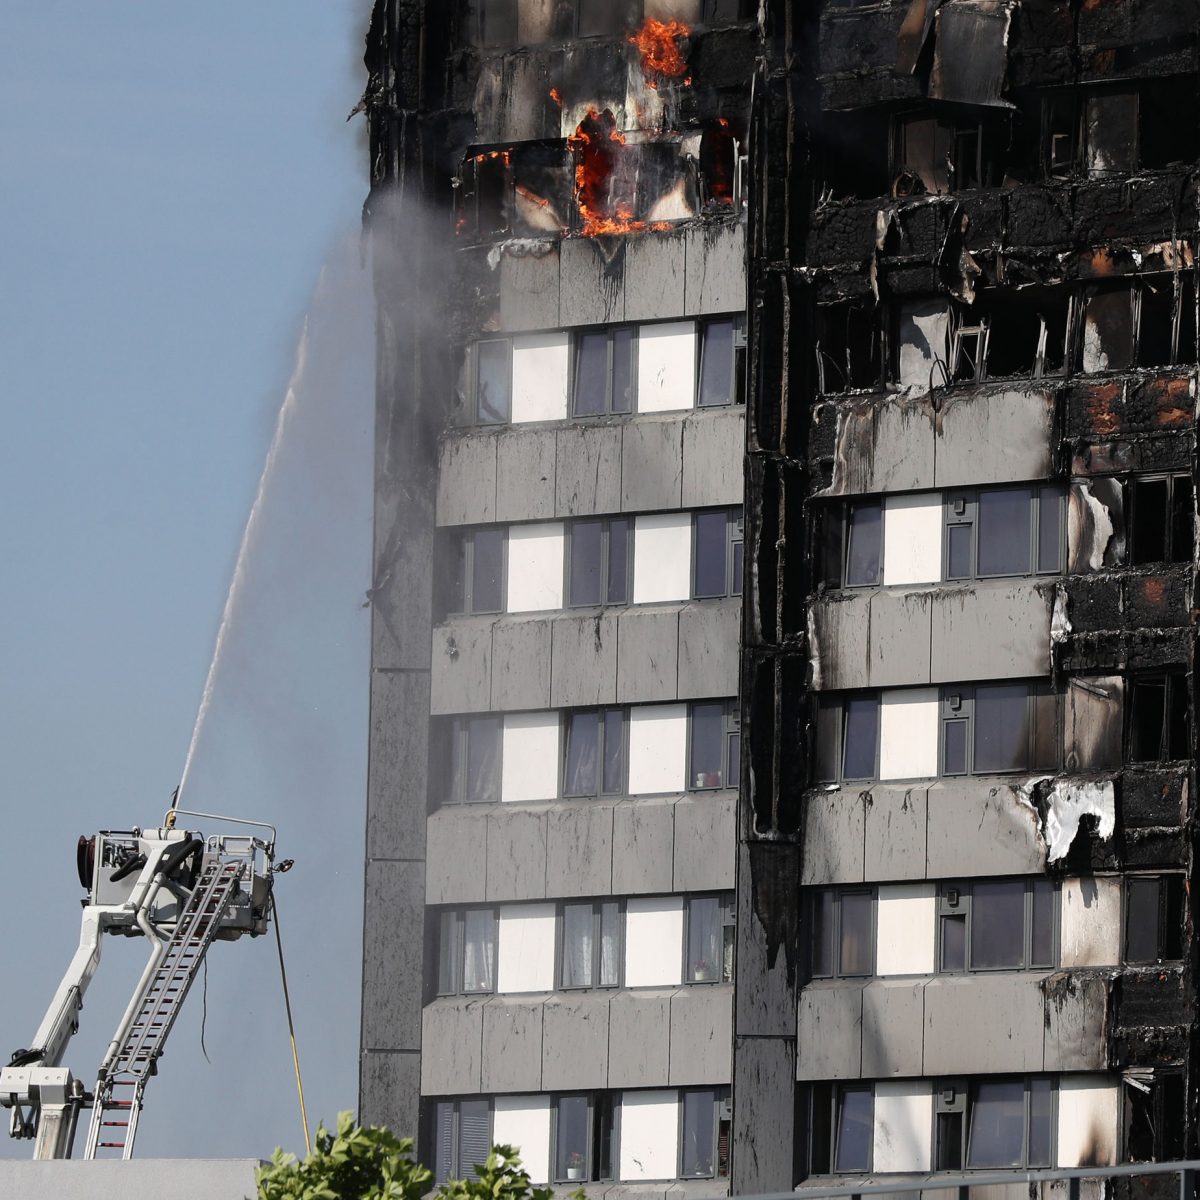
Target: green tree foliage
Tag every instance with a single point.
(367, 1163)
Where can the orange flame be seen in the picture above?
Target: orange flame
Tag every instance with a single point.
(660, 45)
(556, 96)
(594, 146)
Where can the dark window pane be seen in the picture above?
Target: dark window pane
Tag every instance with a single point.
(1001, 727)
(591, 374)
(618, 562)
(447, 953)
(862, 737)
(586, 540)
(820, 1121)
(456, 580)
(1041, 1102)
(712, 539)
(622, 371)
(1141, 920)
(1050, 530)
(602, 1135)
(733, 763)
(1182, 519)
(1171, 919)
(577, 945)
(827, 735)
(571, 1141)
(862, 555)
(1148, 537)
(1041, 942)
(494, 382)
(1171, 1143)
(716, 364)
(1045, 728)
(954, 748)
(949, 1141)
(483, 760)
(739, 564)
(699, 1121)
(704, 940)
(855, 940)
(998, 924)
(708, 736)
(958, 552)
(443, 1155)
(614, 752)
(487, 575)
(1177, 738)
(996, 1134)
(854, 1131)
(1148, 705)
(1004, 526)
(954, 943)
(821, 934)
(583, 736)
(479, 950)
(610, 944)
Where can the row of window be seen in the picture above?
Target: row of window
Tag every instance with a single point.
(597, 562)
(609, 943)
(612, 371)
(590, 1136)
(593, 752)
(981, 729)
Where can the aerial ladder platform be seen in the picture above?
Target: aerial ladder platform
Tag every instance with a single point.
(179, 890)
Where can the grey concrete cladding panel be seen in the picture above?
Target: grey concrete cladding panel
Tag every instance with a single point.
(983, 1024)
(457, 847)
(643, 846)
(639, 1038)
(981, 827)
(895, 833)
(716, 269)
(137, 1179)
(1076, 1021)
(833, 836)
(829, 1031)
(701, 1036)
(461, 678)
(648, 654)
(575, 1046)
(713, 452)
(389, 1087)
(588, 469)
(529, 292)
(654, 277)
(652, 463)
(525, 475)
(397, 774)
(520, 673)
(583, 660)
(705, 843)
(452, 1046)
(516, 853)
(994, 630)
(893, 1010)
(393, 953)
(591, 285)
(512, 1044)
(466, 491)
(709, 641)
(579, 850)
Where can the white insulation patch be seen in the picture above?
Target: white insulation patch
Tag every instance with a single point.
(1060, 622)
(1067, 803)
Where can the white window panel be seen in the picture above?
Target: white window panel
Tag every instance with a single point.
(654, 943)
(924, 343)
(906, 923)
(1090, 928)
(525, 948)
(666, 370)
(535, 567)
(912, 539)
(908, 733)
(523, 1122)
(529, 762)
(662, 558)
(541, 369)
(1087, 1121)
(649, 1135)
(903, 1126)
(657, 749)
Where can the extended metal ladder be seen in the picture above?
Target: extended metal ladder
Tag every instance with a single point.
(122, 1084)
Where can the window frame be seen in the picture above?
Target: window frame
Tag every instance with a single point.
(835, 895)
(836, 703)
(962, 1101)
(728, 917)
(964, 888)
(560, 934)
(606, 524)
(476, 416)
(591, 1172)
(1162, 933)
(465, 544)
(565, 719)
(848, 510)
(735, 536)
(1171, 680)
(738, 346)
(731, 732)
(721, 1113)
(455, 1103)
(458, 753)
(968, 499)
(458, 946)
(609, 333)
(1134, 484)
(956, 704)
(831, 1093)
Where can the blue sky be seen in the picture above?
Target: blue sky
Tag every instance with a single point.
(176, 180)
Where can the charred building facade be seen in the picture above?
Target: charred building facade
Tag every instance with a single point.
(886, 869)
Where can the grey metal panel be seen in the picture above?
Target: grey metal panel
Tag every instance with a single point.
(461, 678)
(709, 640)
(882, 446)
(652, 463)
(516, 853)
(393, 953)
(466, 492)
(389, 1085)
(456, 855)
(654, 274)
(643, 841)
(520, 664)
(452, 1044)
(397, 773)
(833, 837)
(839, 638)
(1076, 1022)
(512, 1044)
(900, 633)
(714, 443)
(647, 655)
(892, 1024)
(525, 474)
(716, 268)
(895, 833)
(983, 1024)
(702, 1035)
(588, 470)
(529, 289)
(639, 1038)
(981, 827)
(999, 436)
(591, 288)
(764, 1117)
(583, 660)
(705, 843)
(575, 1042)
(829, 1030)
(579, 848)
(992, 631)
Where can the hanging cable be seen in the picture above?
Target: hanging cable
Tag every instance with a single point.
(287, 1003)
